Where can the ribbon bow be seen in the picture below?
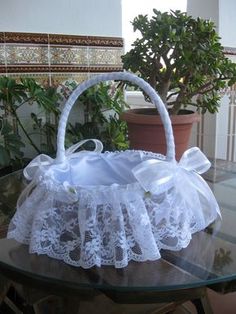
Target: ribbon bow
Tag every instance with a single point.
(159, 176)
(41, 163)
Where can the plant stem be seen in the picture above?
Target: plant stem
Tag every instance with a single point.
(25, 132)
(176, 108)
(25, 101)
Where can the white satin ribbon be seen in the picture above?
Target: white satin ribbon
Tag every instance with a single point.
(158, 176)
(42, 162)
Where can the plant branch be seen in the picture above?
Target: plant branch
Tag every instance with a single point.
(25, 132)
(203, 89)
(24, 102)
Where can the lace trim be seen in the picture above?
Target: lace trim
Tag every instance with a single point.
(112, 230)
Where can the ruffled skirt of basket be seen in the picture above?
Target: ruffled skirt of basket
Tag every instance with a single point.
(109, 225)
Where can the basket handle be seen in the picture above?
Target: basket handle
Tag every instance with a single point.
(123, 76)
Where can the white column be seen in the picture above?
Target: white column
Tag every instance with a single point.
(216, 132)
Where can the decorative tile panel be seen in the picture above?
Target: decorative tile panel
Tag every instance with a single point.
(85, 40)
(68, 55)
(30, 38)
(60, 78)
(105, 56)
(26, 54)
(229, 50)
(2, 54)
(3, 70)
(22, 53)
(105, 41)
(1, 37)
(58, 39)
(27, 69)
(103, 69)
(86, 69)
(68, 68)
(230, 53)
(42, 78)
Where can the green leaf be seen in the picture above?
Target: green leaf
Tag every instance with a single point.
(177, 52)
(4, 157)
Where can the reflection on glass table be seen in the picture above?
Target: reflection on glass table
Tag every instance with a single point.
(208, 261)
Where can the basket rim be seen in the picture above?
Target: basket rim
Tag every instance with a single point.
(99, 188)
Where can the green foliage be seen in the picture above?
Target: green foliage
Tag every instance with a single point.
(102, 106)
(10, 144)
(13, 95)
(181, 57)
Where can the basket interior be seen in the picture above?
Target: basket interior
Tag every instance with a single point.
(93, 169)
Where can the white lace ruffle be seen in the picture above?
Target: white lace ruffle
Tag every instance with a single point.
(109, 223)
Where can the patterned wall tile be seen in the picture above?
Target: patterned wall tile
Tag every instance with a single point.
(1, 37)
(68, 68)
(60, 78)
(16, 68)
(41, 78)
(2, 54)
(105, 56)
(68, 55)
(104, 69)
(3, 70)
(230, 50)
(26, 54)
(105, 41)
(81, 69)
(26, 38)
(60, 39)
(54, 53)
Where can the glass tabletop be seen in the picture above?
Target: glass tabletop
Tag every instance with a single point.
(210, 257)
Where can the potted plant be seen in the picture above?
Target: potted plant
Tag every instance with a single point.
(183, 60)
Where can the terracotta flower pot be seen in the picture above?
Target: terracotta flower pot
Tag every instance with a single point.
(146, 132)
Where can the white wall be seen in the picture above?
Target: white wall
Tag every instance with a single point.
(227, 22)
(222, 12)
(74, 17)
(206, 9)
(130, 11)
(217, 132)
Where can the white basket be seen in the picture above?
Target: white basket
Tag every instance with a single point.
(92, 208)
